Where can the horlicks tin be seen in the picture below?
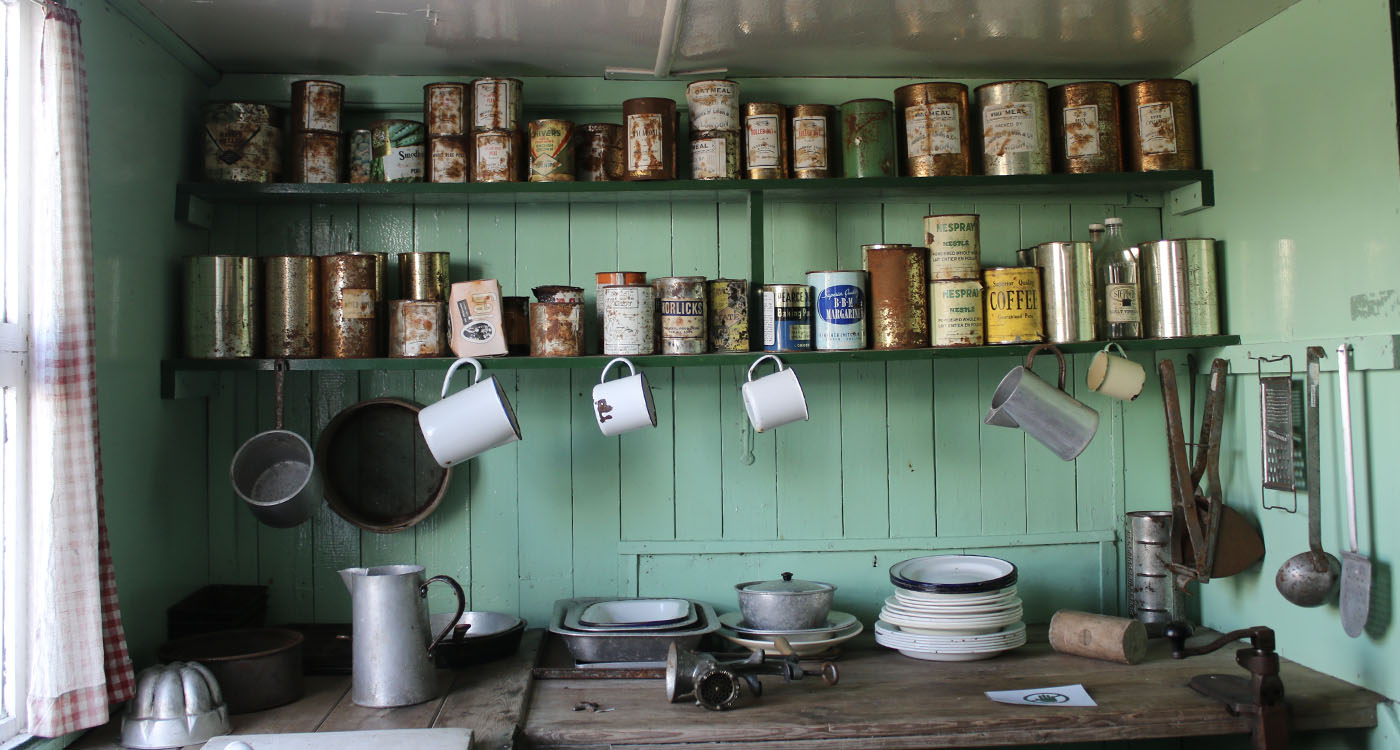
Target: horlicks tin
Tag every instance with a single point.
(628, 312)
(956, 310)
(954, 246)
(680, 302)
(787, 318)
(838, 310)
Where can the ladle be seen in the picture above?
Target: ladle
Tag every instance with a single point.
(1308, 578)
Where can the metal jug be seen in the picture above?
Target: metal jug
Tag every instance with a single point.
(1047, 414)
(392, 643)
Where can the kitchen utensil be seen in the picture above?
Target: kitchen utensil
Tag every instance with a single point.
(631, 612)
(785, 604)
(1097, 636)
(418, 739)
(835, 622)
(1048, 414)
(953, 574)
(379, 473)
(176, 704)
(625, 404)
(274, 472)
(1153, 599)
(950, 647)
(1356, 568)
(1277, 431)
(572, 621)
(1308, 578)
(477, 638)
(392, 643)
(778, 645)
(469, 422)
(775, 399)
(256, 669)
(1118, 377)
(719, 685)
(617, 645)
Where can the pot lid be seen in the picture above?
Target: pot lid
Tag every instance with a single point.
(787, 585)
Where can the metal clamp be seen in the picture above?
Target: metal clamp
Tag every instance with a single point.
(1261, 697)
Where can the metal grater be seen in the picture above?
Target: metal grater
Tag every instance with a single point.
(1279, 411)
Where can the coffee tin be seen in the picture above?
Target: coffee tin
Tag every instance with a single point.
(813, 129)
(680, 303)
(1201, 284)
(713, 105)
(349, 328)
(954, 245)
(359, 154)
(898, 295)
(315, 157)
(496, 156)
(765, 141)
(838, 309)
(931, 129)
(445, 108)
(221, 306)
(397, 151)
(1066, 290)
(496, 104)
(424, 276)
(417, 328)
(449, 158)
(556, 329)
(651, 138)
(1159, 126)
(1015, 128)
(292, 291)
(787, 317)
(1012, 309)
(714, 155)
(242, 142)
(629, 312)
(955, 307)
(598, 156)
(316, 105)
(729, 314)
(867, 138)
(610, 278)
(551, 151)
(1085, 135)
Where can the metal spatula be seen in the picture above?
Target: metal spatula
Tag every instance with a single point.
(1356, 568)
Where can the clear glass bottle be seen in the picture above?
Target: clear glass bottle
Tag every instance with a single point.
(1095, 234)
(1116, 274)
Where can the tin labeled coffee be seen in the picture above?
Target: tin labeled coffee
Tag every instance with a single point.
(1013, 311)
(787, 317)
(838, 309)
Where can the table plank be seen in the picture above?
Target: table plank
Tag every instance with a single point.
(347, 716)
(492, 699)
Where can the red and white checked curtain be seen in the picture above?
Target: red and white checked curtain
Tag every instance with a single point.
(78, 662)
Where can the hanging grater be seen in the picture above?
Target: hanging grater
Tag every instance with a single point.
(1277, 424)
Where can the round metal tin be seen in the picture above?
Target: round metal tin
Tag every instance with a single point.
(787, 317)
(765, 141)
(1085, 134)
(931, 129)
(714, 155)
(713, 105)
(425, 276)
(1166, 299)
(955, 307)
(316, 105)
(315, 157)
(496, 103)
(556, 329)
(292, 291)
(954, 246)
(898, 295)
(1015, 127)
(348, 323)
(867, 138)
(598, 156)
(496, 156)
(1066, 290)
(680, 312)
(397, 151)
(1201, 286)
(838, 309)
(1012, 309)
(359, 154)
(449, 158)
(729, 314)
(629, 314)
(221, 306)
(651, 138)
(242, 142)
(610, 278)
(551, 151)
(1159, 126)
(417, 328)
(813, 129)
(445, 108)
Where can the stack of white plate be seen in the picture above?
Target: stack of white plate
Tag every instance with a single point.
(839, 628)
(952, 608)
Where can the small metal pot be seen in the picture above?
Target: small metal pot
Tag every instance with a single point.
(786, 604)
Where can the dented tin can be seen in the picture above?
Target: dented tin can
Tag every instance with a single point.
(598, 156)
(221, 306)
(680, 312)
(496, 103)
(954, 245)
(714, 155)
(556, 329)
(315, 157)
(496, 156)
(629, 317)
(838, 309)
(551, 151)
(1012, 309)
(349, 327)
(931, 129)
(418, 328)
(558, 293)
(955, 307)
(242, 142)
(813, 128)
(787, 317)
(515, 323)
(449, 158)
(316, 105)
(1066, 290)
(445, 108)
(651, 138)
(713, 105)
(425, 276)
(359, 155)
(1085, 134)
(1015, 126)
(292, 292)
(397, 151)
(765, 141)
(1159, 124)
(1202, 286)
(867, 138)
(729, 314)
(898, 295)
(610, 278)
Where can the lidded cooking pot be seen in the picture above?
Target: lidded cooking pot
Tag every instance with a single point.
(785, 604)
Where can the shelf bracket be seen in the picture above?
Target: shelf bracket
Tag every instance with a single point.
(187, 383)
(191, 209)
(1190, 198)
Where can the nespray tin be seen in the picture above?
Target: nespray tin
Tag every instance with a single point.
(954, 245)
(814, 139)
(1015, 126)
(551, 151)
(1085, 135)
(898, 295)
(221, 306)
(397, 151)
(765, 141)
(787, 317)
(955, 310)
(838, 309)
(629, 313)
(729, 314)
(867, 138)
(931, 129)
(680, 311)
(291, 288)
(1012, 310)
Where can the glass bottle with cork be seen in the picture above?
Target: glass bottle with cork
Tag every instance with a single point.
(1116, 273)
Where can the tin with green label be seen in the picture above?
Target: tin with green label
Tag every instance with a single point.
(867, 138)
(397, 147)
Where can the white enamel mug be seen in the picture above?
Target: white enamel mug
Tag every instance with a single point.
(469, 422)
(773, 400)
(624, 404)
(1118, 376)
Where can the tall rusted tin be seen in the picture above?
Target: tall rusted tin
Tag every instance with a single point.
(713, 105)
(515, 322)
(651, 138)
(221, 306)
(417, 328)
(867, 138)
(556, 329)
(1166, 297)
(397, 151)
(610, 278)
(680, 312)
(496, 156)
(292, 291)
(729, 314)
(381, 276)
(714, 155)
(359, 155)
(765, 141)
(316, 105)
(1085, 134)
(838, 309)
(349, 327)
(1159, 124)
(1066, 290)
(449, 158)
(931, 129)
(558, 293)
(445, 108)
(496, 104)
(598, 156)
(629, 318)
(425, 276)
(1202, 286)
(315, 157)
(242, 142)
(955, 310)
(1013, 117)
(814, 145)
(954, 243)
(551, 151)
(1012, 313)
(898, 295)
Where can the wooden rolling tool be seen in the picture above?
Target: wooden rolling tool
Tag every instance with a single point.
(1098, 636)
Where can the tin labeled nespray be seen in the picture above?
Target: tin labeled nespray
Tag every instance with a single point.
(221, 306)
(1013, 312)
(765, 141)
(867, 138)
(1015, 127)
(729, 314)
(398, 151)
(713, 105)
(445, 108)
(838, 309)
(1159, 124)
(931, 129)
(680, 313)
(714, 155)
(787, 317)
(629, 313)
(651, 138)
(598, 156)
(813, 129)
(417, 328)
(496, 104)
(292, 290)
(1085, 135)
(496, 156)
(551, 151)
(449, 158)
(898, 295)
(316, 105)
(242, 142)
(359, 155)
(955, 307)
(954, 245)
(315, 157)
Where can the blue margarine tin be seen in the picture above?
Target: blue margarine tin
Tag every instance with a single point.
(787, 317)
(838, 309)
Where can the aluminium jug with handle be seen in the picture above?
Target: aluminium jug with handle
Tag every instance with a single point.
(1045, 412)
(392, 645)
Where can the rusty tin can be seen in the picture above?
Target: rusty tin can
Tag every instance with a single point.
(315, 157)
(445, 108)
(729, 314)
(551, 151)
(515, 322)
(425, 276)
(556, 329)
(714, 155)
(787, 317)
(813, 128)
(449, 158)
(765, 141)
(681, 316)
(496, 156)
(955, 246)
(558, 293)
(1015, 126)
(292, 291)
(1012, 310)
(359, 155)
(1066, 290)
(838, 309)
(1202, 285)
(316, 105)
(242, 142)
(417, 328)
(955, 307)
(349, 327)
(598, 156)
(397, 151)
(496, 103)
(867, 138)
(931, 129)
(629, 318)
(713, 105)
(1159, 123)
(221, 307)
(610, 278)
(898, 295)
(651, 138)
(1085, 134)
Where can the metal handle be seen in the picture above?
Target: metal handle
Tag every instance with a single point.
(1314, 457)
(447, 379)
(279, 380)
(1038, 348)
(461, 607)
(631, 370)
(1344, 384)
(756, 362)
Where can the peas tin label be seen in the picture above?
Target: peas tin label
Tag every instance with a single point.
(840, 318)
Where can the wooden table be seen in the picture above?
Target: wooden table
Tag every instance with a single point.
(884, 700)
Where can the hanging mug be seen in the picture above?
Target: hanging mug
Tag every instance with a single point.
(1118, 376)
(1046, 413)
(624, 404)
(773, 400)
(471, 421)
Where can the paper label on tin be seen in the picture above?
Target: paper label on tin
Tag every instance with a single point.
(931, 129)
(1156, 128)
(356, 304)
(492, 109)
(1009, 129)
(957, 313)
(644, 135)
(682, 319)
(809, 143)
(770, 331)
(544, 165)
(841, 304)
(322, 107)
(1082, 131)
(1121, 303)
(707, 159)
(448, 165)
(493, 157)
(713, 106)
(955, 250)
(762, 141)
(404, 163)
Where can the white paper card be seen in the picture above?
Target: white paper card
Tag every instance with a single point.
(1064, 695)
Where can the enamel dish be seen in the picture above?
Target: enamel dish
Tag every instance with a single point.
(801, 648)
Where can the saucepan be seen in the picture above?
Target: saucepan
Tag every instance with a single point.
(275, 471)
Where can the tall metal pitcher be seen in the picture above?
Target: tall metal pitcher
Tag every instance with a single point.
(392, 644)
